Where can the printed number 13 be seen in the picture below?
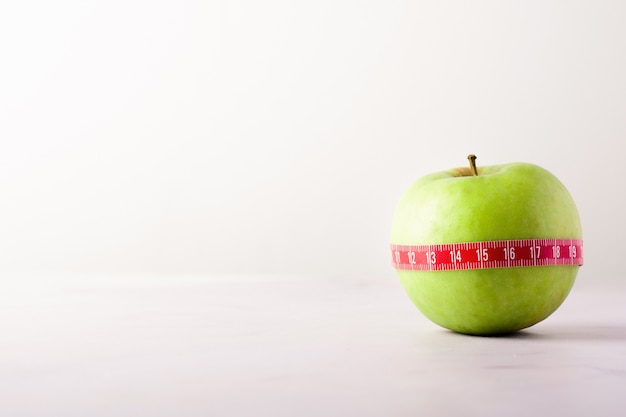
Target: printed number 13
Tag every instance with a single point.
(431, 257)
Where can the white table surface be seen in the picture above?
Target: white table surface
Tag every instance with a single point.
(280, 346)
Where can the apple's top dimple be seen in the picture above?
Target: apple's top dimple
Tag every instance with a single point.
(462, 172)
(467, 172)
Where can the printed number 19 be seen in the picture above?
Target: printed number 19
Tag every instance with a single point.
(572, 251)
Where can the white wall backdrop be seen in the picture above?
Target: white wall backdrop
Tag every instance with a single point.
(200, 137)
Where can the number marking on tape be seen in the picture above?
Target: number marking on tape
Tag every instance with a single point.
(487, 254)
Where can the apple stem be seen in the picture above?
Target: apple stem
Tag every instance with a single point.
(472, 161)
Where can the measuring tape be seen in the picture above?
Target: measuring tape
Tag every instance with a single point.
(487, 254)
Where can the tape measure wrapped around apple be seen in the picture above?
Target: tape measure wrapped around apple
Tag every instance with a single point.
(487, 250)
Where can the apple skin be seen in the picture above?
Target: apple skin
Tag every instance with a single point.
(509, 201)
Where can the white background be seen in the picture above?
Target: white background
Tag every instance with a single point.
(212, 137)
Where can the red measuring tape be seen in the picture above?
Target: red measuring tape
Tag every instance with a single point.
(487, 254)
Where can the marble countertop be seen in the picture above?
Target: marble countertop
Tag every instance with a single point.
(289, 346)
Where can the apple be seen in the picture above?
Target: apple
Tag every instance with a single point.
(492, 203)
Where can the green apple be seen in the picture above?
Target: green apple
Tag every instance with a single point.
(501, 202)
